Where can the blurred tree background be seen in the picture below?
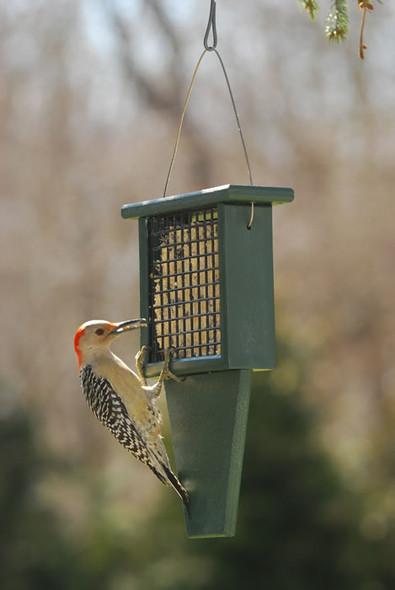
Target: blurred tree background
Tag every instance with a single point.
(90, 97)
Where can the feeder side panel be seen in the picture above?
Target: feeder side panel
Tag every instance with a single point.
(247, 272)
(144, 283)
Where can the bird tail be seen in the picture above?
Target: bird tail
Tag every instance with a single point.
(179, 488)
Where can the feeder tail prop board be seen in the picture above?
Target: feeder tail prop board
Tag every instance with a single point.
(208, 417)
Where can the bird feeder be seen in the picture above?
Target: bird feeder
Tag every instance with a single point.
(206, 290)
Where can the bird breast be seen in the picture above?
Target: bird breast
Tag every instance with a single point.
(127, 385)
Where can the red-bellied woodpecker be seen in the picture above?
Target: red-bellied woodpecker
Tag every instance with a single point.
(121, 399)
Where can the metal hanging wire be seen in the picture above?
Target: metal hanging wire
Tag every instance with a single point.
(211, 30)
(211, 27)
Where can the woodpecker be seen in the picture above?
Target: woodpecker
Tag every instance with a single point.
(121, 399)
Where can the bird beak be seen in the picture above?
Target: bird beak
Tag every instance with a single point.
(129, 325)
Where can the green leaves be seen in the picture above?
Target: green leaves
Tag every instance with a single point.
(310, 6)
(336, 23)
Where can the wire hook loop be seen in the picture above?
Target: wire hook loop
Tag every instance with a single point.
(211, 27)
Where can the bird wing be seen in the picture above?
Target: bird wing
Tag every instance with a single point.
(109, 408)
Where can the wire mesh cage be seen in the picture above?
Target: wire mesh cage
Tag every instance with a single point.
(184, 284)
(206, 280)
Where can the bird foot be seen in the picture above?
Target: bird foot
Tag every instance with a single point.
(140, 361)
(166, 372)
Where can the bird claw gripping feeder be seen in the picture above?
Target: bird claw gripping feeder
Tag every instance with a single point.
(206, 290)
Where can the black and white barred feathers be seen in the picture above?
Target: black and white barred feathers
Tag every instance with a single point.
(109, 408)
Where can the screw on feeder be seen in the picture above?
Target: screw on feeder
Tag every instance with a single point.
(212, 28)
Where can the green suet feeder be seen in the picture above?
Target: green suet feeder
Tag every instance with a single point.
(206, 287)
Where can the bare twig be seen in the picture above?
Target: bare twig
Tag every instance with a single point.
(364, 5)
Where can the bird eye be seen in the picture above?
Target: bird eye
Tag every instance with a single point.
(99, 331)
